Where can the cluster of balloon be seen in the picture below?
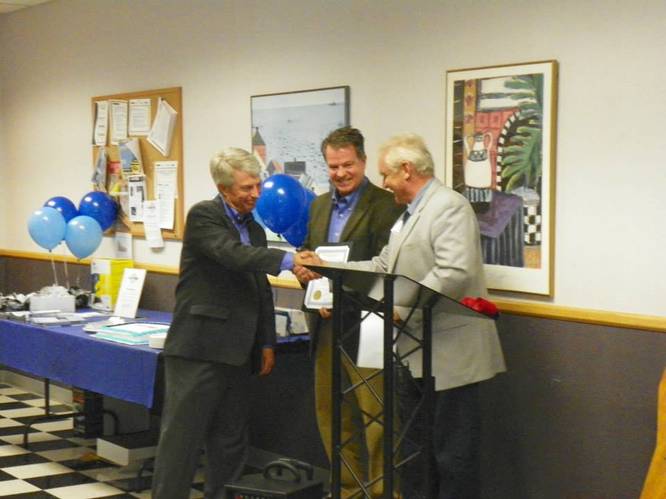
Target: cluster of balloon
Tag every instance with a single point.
(284, 207)
(81, 228)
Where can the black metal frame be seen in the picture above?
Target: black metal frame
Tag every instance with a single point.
(390, 446)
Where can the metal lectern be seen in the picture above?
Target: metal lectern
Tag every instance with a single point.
(379, 292)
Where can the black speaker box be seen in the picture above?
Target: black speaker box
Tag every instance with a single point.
(281, 479)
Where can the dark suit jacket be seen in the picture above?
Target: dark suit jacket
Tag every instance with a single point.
(367, 229)
(224, 304)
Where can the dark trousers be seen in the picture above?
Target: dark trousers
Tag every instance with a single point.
(455, 446)
(206, 407)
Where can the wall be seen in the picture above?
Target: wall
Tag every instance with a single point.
(394, 55)
(574, 415)
(3, 166)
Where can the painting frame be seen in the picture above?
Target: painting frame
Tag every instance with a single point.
(501, 124)
(287, 129)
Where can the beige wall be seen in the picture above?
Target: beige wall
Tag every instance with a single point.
(394, 55)
(3, 168)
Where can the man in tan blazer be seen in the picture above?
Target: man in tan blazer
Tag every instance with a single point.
(437, 245)
(358, 213)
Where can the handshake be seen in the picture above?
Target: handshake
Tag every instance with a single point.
(306, 258)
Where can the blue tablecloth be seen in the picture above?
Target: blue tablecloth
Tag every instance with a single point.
(69, 355)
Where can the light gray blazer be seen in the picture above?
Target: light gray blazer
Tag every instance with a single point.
(439, 247)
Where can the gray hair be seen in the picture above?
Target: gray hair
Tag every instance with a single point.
(223, 164)
(407, 148)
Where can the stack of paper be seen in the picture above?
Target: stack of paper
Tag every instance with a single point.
(136, 333)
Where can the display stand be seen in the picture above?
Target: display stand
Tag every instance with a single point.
(379, 293)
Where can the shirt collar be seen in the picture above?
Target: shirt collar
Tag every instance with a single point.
(411, 207)
(236, 217)
(349, 199)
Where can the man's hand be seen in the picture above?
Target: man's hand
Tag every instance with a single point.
(307, 258)
(325, 313)
(303, 274)
(267, 361)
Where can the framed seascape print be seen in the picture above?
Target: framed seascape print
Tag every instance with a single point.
(287, 131)
(500, 154)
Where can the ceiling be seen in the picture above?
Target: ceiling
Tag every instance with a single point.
(12, 5)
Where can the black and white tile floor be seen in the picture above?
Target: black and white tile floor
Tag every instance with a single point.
(57, 462)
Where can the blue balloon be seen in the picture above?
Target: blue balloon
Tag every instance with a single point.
(83, 236)
(295, 235)
(47, 227)
(281, 202)
(66, 208)
(100, 206)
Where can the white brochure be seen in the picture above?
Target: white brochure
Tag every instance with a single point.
(130, 293)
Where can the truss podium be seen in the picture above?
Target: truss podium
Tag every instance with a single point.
(379, 293)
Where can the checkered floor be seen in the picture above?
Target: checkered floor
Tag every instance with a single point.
(57, 462)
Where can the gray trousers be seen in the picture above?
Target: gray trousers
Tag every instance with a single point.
(206, 407)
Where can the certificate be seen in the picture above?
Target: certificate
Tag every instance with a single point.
(318, 294)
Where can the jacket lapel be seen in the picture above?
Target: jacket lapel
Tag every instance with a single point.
(320, 232)
(358, 214)
(397, 240)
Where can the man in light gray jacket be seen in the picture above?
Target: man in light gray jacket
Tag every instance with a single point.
(437, 244)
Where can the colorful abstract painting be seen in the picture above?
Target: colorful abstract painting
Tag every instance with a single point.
(500, 152)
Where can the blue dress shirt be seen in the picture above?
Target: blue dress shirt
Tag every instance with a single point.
(241, 222)
(342, 208)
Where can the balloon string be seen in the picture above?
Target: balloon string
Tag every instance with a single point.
(66, 274)
(55, 274)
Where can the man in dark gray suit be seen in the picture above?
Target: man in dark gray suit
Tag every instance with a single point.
(224, 317)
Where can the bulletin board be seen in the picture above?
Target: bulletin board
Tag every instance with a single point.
(116, 180)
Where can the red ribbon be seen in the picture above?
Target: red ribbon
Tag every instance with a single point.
(482, 306)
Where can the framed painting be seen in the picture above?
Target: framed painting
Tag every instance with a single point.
(287, 131)
(501, 126)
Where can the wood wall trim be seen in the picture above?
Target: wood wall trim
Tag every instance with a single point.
(587, 316)
(29, 255)
(530, 309)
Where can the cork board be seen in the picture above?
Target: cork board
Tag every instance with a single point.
(115, 180)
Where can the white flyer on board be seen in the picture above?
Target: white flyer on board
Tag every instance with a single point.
(136, 185)
(101, 123)
(118, 116)
(139, 116)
